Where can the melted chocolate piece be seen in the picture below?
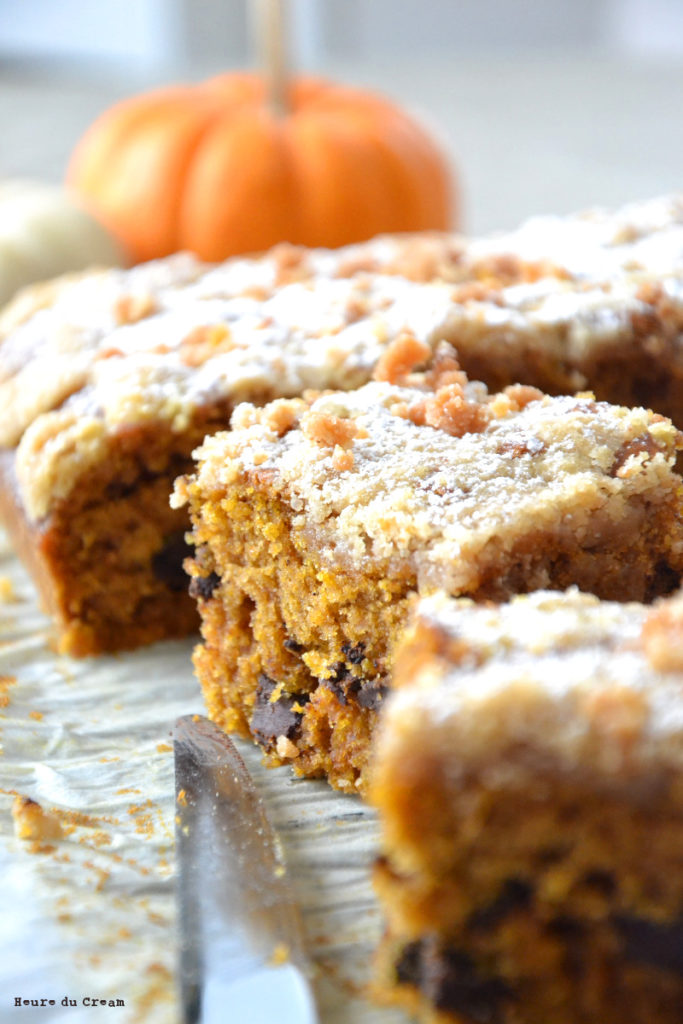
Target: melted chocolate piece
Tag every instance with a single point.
(371, 694)
(367, 693)
(167, 563)
(273, 718)
(354, 654)
(451, 981)
(293, 646)
(515, 894)
(655, 943)
(204, 586)
(602, 880)
(408, 965)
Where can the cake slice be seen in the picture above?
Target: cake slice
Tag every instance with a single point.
(529, 780)
(105, 393)
(108, 381)
(316, 520)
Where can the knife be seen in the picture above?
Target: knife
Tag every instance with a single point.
(242, 956)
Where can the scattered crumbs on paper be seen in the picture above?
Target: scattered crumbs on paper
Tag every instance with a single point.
(156, 918)
(34, 824)
(5, 683)
(101, 874)
(159, 986)
(37, 716)
(132, 863)
(280, 955)
(127, 789)
(162, 823)
(164, 748)
(144, 824)
(106, 760)
(71, 820)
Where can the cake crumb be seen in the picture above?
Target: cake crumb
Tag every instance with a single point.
(282, 414)
(32, 822)
(280, 955)
(204, 343)
(402, 355)
(662, 637)
(129, 309)
(5, 683)
(7, 592)
(342, 460)
(328, 431)
(285, 748)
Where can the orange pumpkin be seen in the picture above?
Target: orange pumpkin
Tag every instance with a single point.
(212, 169)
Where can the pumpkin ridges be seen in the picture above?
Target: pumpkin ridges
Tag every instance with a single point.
(247, 201)
(420, 167)
(149, 174)
(330, 156)
(111, 177)
(341, 165)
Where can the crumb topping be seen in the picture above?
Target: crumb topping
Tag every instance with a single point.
(447, 490)
(162, 340)
(662, 636)
(559, 674)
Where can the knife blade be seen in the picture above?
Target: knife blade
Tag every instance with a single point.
(242, 955)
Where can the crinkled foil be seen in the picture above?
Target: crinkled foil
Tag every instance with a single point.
(90, 916)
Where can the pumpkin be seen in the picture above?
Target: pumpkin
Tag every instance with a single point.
(213, 169)
(44, 232)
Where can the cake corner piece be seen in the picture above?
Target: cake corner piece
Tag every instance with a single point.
(529, 781)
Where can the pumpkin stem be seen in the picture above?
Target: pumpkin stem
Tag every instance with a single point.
(270, 30)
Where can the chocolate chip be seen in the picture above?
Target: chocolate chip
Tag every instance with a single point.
(367, 693)
(644, 445)
(569, 929)
(273, 718)
(293, 646)
(572, 934)
(515, 894)
(409, 965)
(655, 943)
(452, 982)
(602, 880)
(663, 581)
(204, 586)
(167, 563)
(354, 654)
(371, 694)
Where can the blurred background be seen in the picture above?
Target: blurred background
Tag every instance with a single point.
(544, 105)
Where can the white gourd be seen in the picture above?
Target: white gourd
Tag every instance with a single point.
(43, 233)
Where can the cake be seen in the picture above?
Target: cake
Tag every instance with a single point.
(109, 380)
(316, 520)
(529, 780)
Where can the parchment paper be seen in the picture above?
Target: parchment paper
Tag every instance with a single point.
(91, 916)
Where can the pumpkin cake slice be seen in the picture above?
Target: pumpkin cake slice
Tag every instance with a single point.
(317, 519)
(108, 389)
(108, 381)
(529, 779)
